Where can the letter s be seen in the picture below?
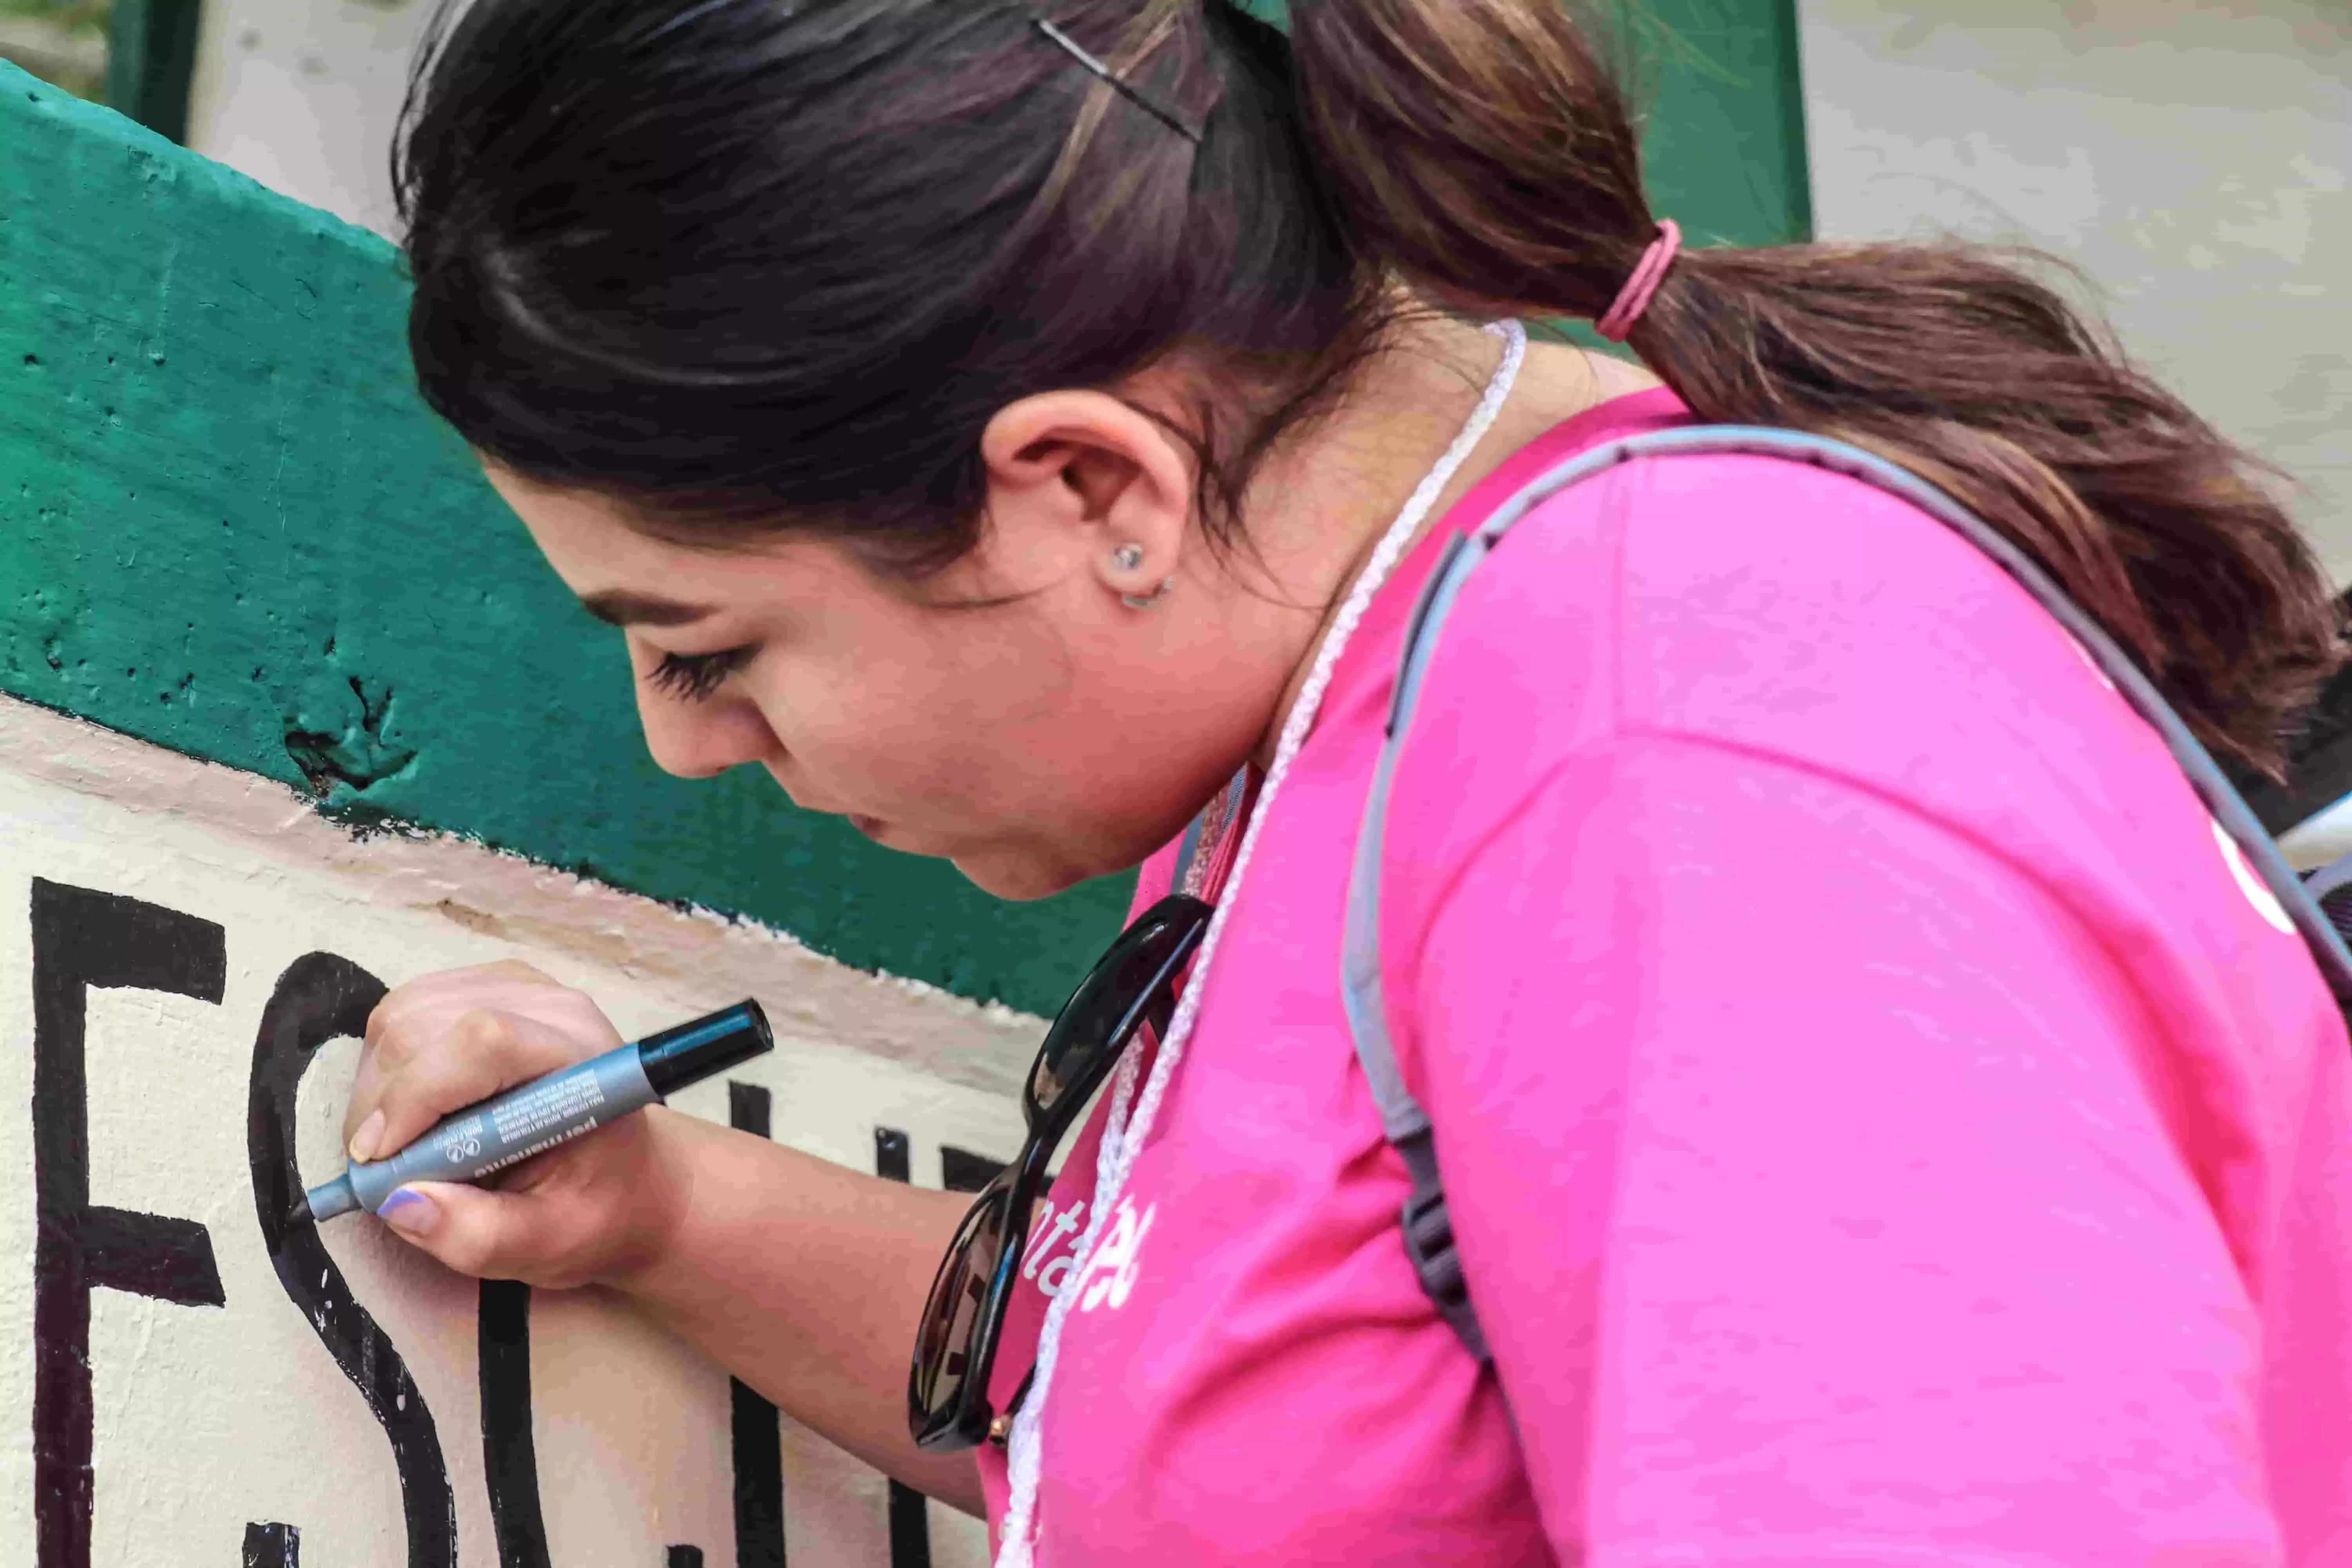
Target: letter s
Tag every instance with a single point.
(321, 998)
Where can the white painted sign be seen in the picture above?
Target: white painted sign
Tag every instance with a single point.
(183, 952)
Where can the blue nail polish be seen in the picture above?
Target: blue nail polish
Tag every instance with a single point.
(410, 1211)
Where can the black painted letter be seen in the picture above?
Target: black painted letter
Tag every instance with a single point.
(85, 940)
(509, 1455)
(759, 1442)
(910, 1516)
(272, 1546)
(321, 998)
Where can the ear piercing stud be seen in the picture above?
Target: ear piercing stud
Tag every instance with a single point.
(1129, 558)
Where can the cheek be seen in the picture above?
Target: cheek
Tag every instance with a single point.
(974, 720)
(1004, 738)
(891, 732)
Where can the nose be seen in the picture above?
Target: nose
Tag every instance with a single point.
(699, 739)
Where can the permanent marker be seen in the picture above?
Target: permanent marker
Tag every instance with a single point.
(534, 1116)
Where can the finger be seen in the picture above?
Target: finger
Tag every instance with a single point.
(400, 1024)
(511, 969)
(490, 1235)
(418, 1015)
(479, 1055)
(367, 1087)
(451, 991)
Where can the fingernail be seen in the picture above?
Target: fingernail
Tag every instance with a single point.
(410, 1212)
(363, 1141)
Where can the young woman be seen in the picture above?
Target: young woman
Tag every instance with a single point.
(1884, 1123)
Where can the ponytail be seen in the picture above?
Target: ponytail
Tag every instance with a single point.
(1481, 150)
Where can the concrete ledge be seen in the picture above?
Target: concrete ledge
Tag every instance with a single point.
(695, 952)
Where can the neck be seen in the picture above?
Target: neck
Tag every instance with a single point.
(1337, 493)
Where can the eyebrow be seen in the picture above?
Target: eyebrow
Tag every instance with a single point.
(621, 608)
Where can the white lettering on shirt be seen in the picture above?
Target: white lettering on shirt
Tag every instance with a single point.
(1111, 1271)
(1110, 1275)
(1046, 1238)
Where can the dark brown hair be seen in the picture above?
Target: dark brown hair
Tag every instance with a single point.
(1482, 148)
(752, 264)
(745, 261)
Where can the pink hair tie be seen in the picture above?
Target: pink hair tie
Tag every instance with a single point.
(1634, 297)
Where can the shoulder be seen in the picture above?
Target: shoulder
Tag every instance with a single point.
(1817, 733)
(1792, 621)
(1768, 601)
(1766, 609)
(1778, 607)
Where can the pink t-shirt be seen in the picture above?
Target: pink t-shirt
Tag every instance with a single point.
(1884, 1124)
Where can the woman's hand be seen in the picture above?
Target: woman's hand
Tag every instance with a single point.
(591, 1211)
(801, 1278)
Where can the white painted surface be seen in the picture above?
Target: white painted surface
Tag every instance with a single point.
(2195, 156)
(209, 1419)
(303, 96)
(2324, 836)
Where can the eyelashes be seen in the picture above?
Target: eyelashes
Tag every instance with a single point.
(695, 676)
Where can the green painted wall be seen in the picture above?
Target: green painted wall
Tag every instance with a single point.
(228, 526)
(1724, 135)
(1724, 138)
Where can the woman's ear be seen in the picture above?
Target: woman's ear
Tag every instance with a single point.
(1081, 480)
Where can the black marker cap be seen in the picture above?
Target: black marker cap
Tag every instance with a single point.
(691, 1052)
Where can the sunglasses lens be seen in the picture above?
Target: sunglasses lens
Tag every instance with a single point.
(943, 1346)
(1131, 985)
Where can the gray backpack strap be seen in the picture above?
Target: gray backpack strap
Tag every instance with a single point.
(1428, 1231)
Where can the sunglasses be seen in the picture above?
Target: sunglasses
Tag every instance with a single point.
(1130, 988)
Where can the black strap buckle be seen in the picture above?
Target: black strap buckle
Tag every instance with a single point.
(1428, 1231)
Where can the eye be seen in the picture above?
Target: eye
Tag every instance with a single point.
(695, 676)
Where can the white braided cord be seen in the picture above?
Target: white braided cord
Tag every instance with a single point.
(1123, 1134)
